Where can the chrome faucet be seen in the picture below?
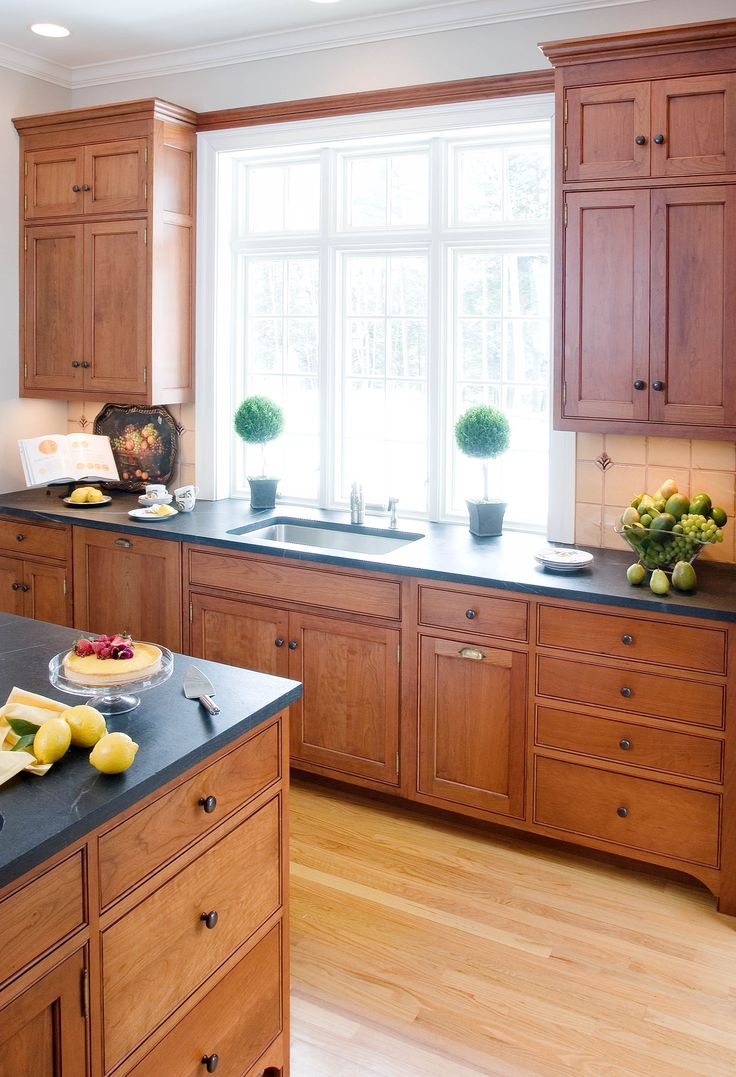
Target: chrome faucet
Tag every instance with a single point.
(392, 503)
(357, 504)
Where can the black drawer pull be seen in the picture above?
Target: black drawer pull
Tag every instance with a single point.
(15, 586)
(75, 363)
(85, 364)
(626, 693)
(627, 640)
(25, 587)
(470, 614)
(640, 384)
(659, 139)
(641, 140)
(210, 1062)
(279, 642)
(86, 187)
(20, 536)
(292, 644)
(622, 812)
(76, 188)
(208, 804)
(658, 386)
(209, 919)
(624, 744)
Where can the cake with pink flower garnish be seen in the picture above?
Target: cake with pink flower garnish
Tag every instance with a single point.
(110, 660)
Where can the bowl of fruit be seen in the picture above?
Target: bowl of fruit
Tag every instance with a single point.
(668, 530)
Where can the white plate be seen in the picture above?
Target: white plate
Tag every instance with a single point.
(147, 501)
(146, 514)
(86, 504)
(561, 559)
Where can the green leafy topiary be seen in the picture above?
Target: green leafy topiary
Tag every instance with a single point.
(258, 420)
(484, 432)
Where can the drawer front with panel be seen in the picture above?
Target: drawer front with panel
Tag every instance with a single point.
(502, 618)
(637, 813)
(26, 539)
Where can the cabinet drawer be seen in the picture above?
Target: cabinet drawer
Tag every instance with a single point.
(629, 744)
(159, 952)
(623, 636)
(236, 1020)
(287, 583)
(24, 538)
(504, 618)
(633, 812)
(51, 907)
(634, 691)
(135, 848)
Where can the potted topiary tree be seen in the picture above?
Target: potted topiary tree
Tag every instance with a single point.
(483, 431)
(257, 421)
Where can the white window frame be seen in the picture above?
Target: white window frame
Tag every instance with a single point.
(214, 344)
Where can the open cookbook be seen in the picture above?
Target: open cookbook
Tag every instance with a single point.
(67, 458)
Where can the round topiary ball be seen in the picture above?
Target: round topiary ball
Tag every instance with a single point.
(258, 419)
(483, 431)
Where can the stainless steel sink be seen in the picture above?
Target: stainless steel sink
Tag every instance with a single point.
(285, 531)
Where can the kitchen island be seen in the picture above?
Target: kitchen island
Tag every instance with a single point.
(137, 907)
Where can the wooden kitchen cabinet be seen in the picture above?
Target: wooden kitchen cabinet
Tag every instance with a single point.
(35, 580)
(107, 260)
(127, 583)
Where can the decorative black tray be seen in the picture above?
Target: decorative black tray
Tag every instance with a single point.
(145, 443)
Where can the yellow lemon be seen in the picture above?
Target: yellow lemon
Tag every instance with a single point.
(52, 740)
(86, 723)
(79, 496)
(113, 753)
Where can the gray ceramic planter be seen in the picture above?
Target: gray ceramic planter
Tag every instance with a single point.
(486, 517)
(263, 493)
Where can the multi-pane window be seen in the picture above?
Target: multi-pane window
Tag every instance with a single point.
(379, 288)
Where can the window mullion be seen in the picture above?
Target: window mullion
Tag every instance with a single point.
(328, 350)
(437, 380)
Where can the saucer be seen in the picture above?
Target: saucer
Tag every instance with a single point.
(563, 559)
(148, 501)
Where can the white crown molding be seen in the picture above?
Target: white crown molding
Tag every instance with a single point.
(434, 18)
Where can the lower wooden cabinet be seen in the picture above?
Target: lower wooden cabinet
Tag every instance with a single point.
(43, 1031)
(472, 722)
(35, 580)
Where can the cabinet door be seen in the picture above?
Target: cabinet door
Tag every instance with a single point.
(603, 125)
(695, 119)
(472, 722)
(115, 176)
(606, 306)
(693, 332)
(43, 1031)
(117, 315)
(53, 183)
(239, 633)
(124, 583)
(45, 597)
(11, 580)
(53, 297)
(348, 717)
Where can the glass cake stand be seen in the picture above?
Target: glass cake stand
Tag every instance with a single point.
(111, 698)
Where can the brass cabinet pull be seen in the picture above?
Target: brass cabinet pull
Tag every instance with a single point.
(125, 543)
(471, 652)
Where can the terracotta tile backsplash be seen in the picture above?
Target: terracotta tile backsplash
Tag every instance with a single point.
(612, 468)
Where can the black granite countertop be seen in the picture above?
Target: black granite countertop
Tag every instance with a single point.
(445, 552)
(39, 816)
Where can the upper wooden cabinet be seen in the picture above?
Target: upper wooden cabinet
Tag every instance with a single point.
(107, 205)
(646, 232)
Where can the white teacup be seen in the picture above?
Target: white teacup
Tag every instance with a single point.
(156, 491)
(185, 497)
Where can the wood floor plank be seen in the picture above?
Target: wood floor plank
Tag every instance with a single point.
(428, 948)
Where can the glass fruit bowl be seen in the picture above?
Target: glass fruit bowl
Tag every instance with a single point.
(660, 549)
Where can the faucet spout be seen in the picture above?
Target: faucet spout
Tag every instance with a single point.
(357, 504)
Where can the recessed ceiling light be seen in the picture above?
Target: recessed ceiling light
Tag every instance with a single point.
(49, 29)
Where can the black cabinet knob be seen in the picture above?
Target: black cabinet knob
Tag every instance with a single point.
(624, 744)
(641, 140)
(209, 919)
(639, 384)
(76, 188)
(658, 386)
(627, 640)
(86, 187)
(626, 692)
(208, 804)
(622, 812)
(25, 587)
(75, 363)
(292, 644)
(210, 1062)
(470, 614)
(15, 586)
(85, 364)
(20, 536)
(279, 642)
(659, 139)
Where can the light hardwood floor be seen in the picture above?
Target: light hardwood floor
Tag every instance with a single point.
(432, 949)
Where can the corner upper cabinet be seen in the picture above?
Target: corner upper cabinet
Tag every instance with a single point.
(646, 232)
(107, 206)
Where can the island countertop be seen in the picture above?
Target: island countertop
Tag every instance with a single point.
(39, 816)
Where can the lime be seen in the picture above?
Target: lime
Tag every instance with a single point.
(719, 515)
(661, 525)
(636, 574)
(677, 505)
(659, 582)
(683, 576)
(86, 723)
(113, 753)
(645, 520)
(52, 740)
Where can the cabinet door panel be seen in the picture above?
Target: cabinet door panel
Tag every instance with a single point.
(348, 717)
(697, 119)
(693, 313)
(46, 598)
(239, 634)
(472, 725)
(116, 307)
(43, 1032)
(606, 283)
(53, 301)
(11, 578)
(603, 125)
(51, 176)
(115, 172)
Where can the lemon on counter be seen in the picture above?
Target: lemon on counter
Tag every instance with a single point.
(86, 723)
(113, 753)
(52, 740)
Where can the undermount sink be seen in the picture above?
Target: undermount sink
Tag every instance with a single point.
(286, 531)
